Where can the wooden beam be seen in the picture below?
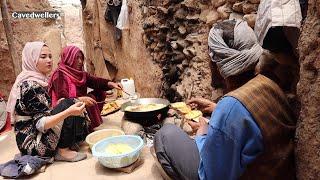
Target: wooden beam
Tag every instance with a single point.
(9, 34)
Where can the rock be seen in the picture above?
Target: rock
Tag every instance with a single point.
(224, 11)
(145, 39)
(180, 14)
(238, 7)
(180, 68)
(189, 51)
(235, 16)
(130, 127)
(196, 59)
(153, 45)
(251, 19)
(144, 11)
(254, 1)
(159, 56)
(174, 44)
(164, 27)
(182, 30)
(186, 52)
(182, 43)
(190, 3)
(218, 3)
(166, 2)
(232, 1)
(185, 63)
(212, 17)
(152, 10)
(172, 38)
(160, 45)
(248, 8)
(193, 38)
(162, 9)
(203, 15)
(193, 17)
(178, 57)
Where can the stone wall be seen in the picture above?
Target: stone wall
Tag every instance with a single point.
(165, 49)
(176, 32)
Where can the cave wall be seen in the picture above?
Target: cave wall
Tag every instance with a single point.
(165, 49)
(125, 58)
(308, 127)
(25, 30)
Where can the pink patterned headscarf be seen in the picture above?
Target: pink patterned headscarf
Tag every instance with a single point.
(30, 56)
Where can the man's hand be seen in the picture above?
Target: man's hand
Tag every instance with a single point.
(203, 126)
(115, 85)
(87, 100)
(200, 127)
(204, 105)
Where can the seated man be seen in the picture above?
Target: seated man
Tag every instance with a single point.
(251, 130)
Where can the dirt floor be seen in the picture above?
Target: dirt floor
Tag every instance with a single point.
(86, 169)
(130, 57)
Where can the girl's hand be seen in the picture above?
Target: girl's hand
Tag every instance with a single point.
(115, 85)
(87, 100)
(76, 109)
(59, 101)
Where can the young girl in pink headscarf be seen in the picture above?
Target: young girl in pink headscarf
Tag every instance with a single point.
(70, 81)
(40, 130)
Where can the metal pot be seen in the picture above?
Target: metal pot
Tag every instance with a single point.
(146, 118)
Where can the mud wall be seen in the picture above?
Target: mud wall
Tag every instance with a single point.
(308, 127)
(6, 68)
(25, 30)
(126, 57)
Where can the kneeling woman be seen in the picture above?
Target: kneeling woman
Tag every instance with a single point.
(70, 80)
(40, 130)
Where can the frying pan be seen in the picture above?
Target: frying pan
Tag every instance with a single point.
(146, 117)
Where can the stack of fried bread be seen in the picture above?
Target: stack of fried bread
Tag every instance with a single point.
(186, 111)
(110, 107)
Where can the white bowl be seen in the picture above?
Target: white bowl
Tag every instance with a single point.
(118, 160)
(97, 136)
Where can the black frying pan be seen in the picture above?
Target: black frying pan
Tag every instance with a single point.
(146, 117)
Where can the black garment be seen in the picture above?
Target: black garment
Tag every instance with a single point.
(74, 128)
(23, 165)
(111, 15)
(35, 102)
(276, 40)
(171, 141)
(304, 8)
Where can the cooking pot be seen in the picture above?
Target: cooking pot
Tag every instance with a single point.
(146, 118)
